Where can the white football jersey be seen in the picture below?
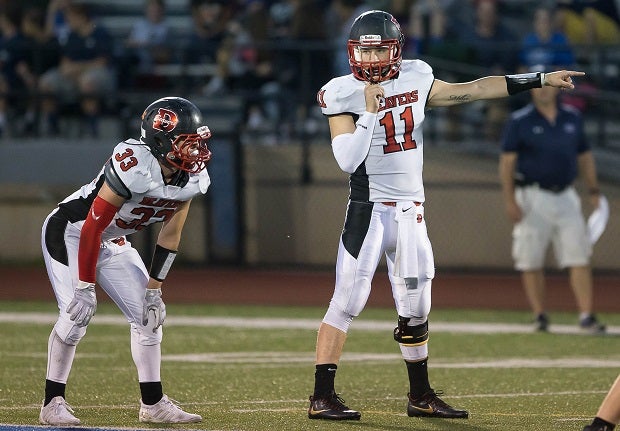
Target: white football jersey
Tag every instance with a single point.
(392, 171)
(151, 200)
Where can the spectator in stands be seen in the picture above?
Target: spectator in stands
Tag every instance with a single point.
(544, 45)
(589, 21)
(301, 71)
(148, 41)
(84, 75)
(430, 31)
(426, 26)
(18, 72)
(43, 54)
(245, 65)
(340, 17)
(211, 19)
(56, 24)
(491, 46)
(12, 54)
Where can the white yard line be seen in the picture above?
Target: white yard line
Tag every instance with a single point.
(310, 324)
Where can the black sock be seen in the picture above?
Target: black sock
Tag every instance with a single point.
(53, 389)
(598, 422)
(151, 392)
(324, 379)
(418, 378)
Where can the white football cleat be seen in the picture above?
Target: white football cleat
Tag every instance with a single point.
(58, 413)
(166, 412)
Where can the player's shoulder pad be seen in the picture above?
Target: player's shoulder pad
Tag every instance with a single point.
(418, 66)
(133, 163)
(343, 94)
(114, 181)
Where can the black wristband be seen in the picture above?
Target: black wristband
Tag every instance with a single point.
(161, 263)
(524, 81)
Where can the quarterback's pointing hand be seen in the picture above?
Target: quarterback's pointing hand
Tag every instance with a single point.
(153, 309)
(562, 79)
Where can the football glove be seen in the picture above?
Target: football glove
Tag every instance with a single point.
(84, 303)
(153, 308)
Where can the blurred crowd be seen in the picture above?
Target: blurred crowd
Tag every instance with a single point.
(58, 57)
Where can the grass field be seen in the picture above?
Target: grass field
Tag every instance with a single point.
(251, 368)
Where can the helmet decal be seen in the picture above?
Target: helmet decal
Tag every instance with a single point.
(172, 128)
(165, 120)
(370, 38)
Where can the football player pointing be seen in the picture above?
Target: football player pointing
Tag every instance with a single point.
(144, 182)
(375, 118)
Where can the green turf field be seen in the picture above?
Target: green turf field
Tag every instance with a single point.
(251, 368)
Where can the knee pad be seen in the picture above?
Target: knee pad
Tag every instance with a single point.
(410, 335)
(145, 336)
(68, 332)
(337, 318)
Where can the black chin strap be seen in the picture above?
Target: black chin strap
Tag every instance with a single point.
(178, 179)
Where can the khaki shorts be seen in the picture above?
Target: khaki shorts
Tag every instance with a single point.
(68, 90)
(550, 218)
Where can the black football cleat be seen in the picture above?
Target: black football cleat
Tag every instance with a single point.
(597, 428)
(430, 405)
(331, 407)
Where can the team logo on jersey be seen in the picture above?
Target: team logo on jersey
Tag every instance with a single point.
(165, 120)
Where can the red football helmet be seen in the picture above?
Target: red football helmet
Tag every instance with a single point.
(173, 130)
(375, 29)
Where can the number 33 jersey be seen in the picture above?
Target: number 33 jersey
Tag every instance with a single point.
(133, 172)
(392, 170)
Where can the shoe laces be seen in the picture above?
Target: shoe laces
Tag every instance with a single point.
(172, 402)
(62, 405)
(431, 396)
(336, 402)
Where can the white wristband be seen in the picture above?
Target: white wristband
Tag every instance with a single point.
(84, 285)
(542, 79)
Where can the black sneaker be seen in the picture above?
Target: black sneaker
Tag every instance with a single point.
(541, 323)
(331, 407)
(430, 405)
(591, 325)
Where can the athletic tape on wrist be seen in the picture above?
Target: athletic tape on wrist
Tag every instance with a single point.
(524, 81)
(161, 263)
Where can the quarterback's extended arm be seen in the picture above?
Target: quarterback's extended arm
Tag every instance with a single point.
(495, 87)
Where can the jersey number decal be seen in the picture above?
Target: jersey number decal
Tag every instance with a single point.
(126, 164)
(145, 215)
(390, 132)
